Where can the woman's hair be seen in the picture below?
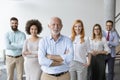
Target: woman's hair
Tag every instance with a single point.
(82, 34)
(33, 22)
(100, 34)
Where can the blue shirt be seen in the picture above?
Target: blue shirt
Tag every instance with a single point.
(14, 42)
(47, 45)
(113, 41)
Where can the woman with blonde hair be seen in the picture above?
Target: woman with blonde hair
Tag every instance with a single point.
(99, 49)
(78, 67)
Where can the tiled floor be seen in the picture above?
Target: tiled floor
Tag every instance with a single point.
(117, 72)
(3, 75)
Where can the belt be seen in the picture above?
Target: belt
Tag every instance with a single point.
(59, 74)
(14, 56)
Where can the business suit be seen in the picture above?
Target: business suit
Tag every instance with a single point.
(110, 59)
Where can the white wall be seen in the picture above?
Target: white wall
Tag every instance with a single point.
(118, 11)
(90, 11)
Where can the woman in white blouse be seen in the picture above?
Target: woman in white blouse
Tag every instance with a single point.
(99, 49)
(30, 50)
(78, 67)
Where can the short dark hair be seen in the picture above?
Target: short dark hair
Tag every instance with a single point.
(13, 18)
(35, 22)
(109, 21)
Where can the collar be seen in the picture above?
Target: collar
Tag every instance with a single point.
(108, 31)
(14, 31)
(60, 37)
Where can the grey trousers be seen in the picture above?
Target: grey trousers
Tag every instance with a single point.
(78, 71)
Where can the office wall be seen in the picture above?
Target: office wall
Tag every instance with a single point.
(118, 11)
(90, 11)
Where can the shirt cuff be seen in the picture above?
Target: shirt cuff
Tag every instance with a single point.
(63, 57)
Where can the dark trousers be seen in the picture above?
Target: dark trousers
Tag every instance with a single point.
(110, 61)
(96, 70)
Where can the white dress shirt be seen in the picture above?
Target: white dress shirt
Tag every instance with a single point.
(99, 45)
(81, 50)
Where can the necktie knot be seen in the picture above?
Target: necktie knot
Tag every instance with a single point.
(108, 36)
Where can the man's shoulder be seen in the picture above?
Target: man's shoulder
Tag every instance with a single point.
(114, 33)
(66, 38)
(20, 32)
(8, 33)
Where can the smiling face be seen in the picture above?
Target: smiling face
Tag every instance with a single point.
(109, 26)
(14, 25)
(33, 30)
(55, 26)
(96, 30)
(78, 28)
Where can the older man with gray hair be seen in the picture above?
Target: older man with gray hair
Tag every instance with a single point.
(55, 53)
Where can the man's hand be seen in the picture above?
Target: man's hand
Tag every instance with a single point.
(57, 60)
(49, 56)
(54, 57)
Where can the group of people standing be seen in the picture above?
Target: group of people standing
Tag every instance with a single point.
(58, 57)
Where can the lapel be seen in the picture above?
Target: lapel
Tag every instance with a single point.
(111, 35)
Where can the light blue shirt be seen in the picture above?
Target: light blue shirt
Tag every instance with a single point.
(47, 45)
(14, 42)
(113, 41)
